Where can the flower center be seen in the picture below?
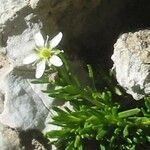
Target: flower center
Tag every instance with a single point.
(45, 53)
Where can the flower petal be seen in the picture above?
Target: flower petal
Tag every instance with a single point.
(30, 59)
(56, 61)
(40, 68)
(55, 41)
(39, 40)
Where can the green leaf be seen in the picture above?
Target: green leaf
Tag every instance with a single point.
(64, 96)
(93, 119)
(71, 90)
(133, 147)
(114, 111)
(102, 147)
(129, 140)
(77, 141)
(67, 118)
(96, 95)
(90, 71)
(80, 147)
(106, 96)
(139, 131)
(57, 123)
(86, 131)
(59, 110)
(57, 133)
(148, 138)
(70, 146)
(87, 125)
(101, 133)
(91, 76)
(117, 131)
(135, 140)
(128, 113)
(147, 103)
(125, 131)
(117, 91)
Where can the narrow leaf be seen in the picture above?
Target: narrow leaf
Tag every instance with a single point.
(77, 141)
(129, 113)
(102, 147)
(101, 133)
(125, 131)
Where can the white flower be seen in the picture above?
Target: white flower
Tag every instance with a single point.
(44, 53)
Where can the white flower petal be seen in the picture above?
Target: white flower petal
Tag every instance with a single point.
(55, 41)
(40, 68)
(39, 40)
(30, 59)
(56, 61)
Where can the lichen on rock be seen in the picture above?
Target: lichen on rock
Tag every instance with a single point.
(131, 59)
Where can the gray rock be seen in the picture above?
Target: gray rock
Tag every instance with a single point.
(9, 139)
(19, 20)
(132, 63)
(8, 9)
(24, 103)
(19, 46)
(1, 102)
(12, 139)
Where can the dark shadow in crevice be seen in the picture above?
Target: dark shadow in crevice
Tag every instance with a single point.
(33, 139)
(92, 34)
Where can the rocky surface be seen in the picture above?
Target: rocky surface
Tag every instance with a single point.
(23, 102)
(24, 105)
(132, 63)
(12, 139)
(88, 31)
(9, 8)
(9, 139)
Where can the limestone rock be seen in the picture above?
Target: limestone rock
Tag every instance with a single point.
(24, 103)
(80, 22)
(19, 46)
(8, 9)
(132, 63)
(12, 139)
(9, 139)
(1, 102)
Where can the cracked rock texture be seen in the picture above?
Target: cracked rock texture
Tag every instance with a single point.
(88, 31)
(132, 63)
(23, 103)
(9, 139)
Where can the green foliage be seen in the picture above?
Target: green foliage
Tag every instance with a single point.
(95, 115)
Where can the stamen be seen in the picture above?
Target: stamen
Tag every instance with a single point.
(45, 53)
